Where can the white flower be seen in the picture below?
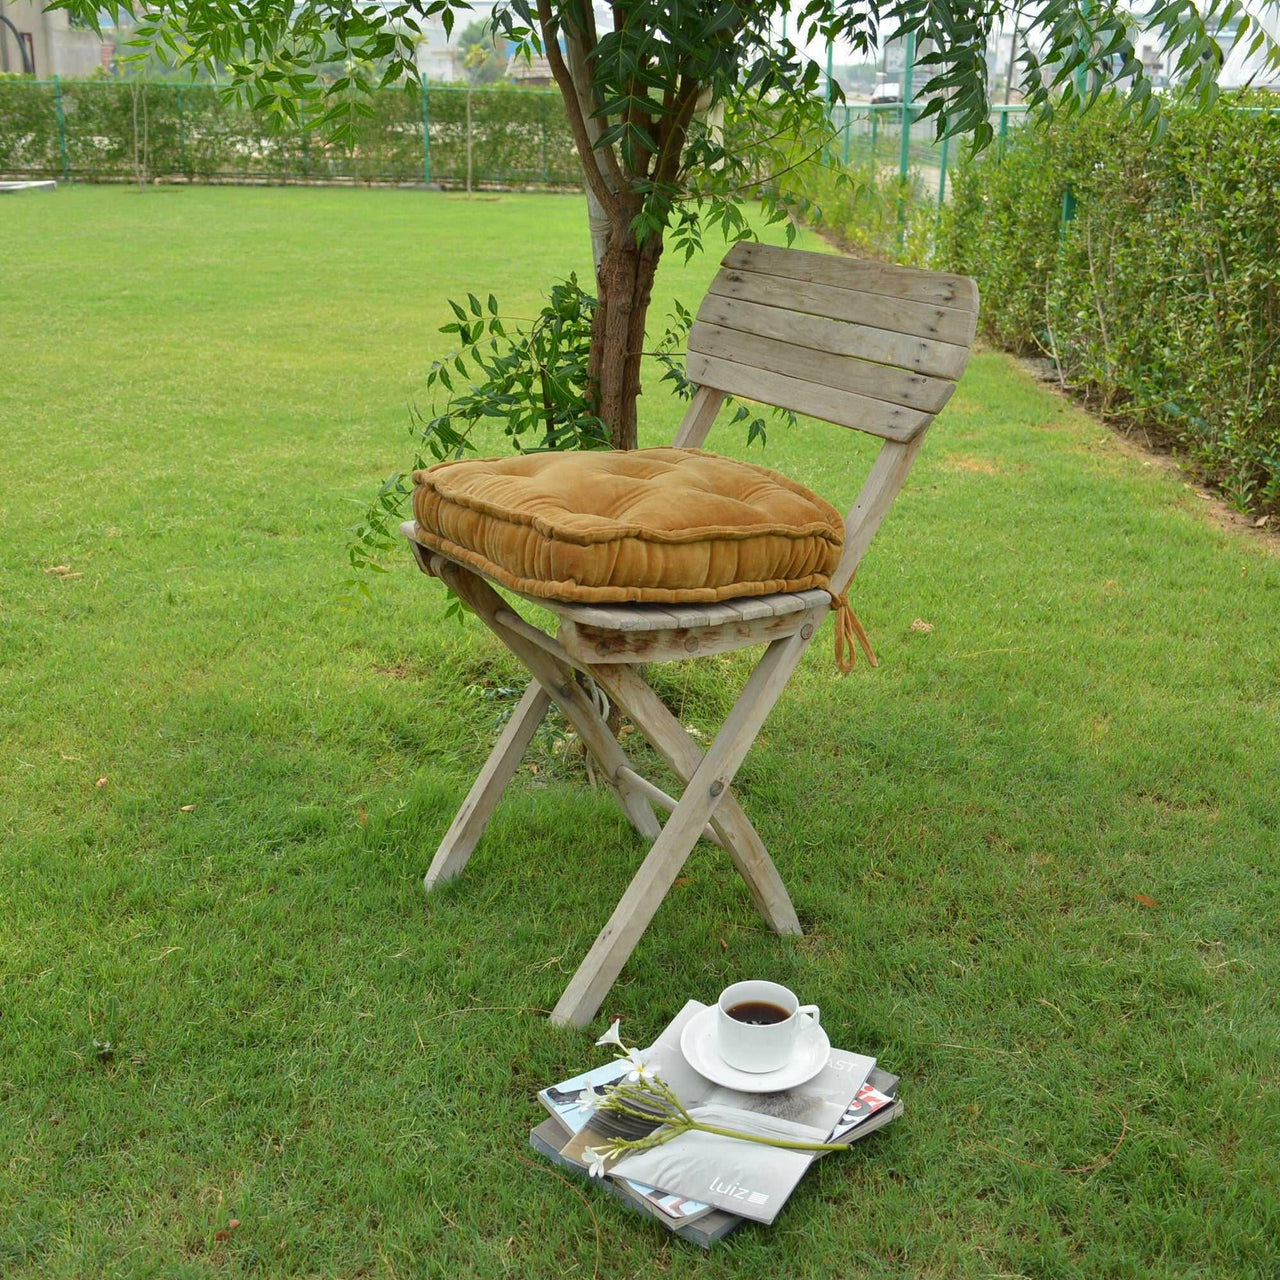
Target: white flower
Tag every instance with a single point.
(611, 1036)
(589, 1099)
(595, 1161)
(642, 1064)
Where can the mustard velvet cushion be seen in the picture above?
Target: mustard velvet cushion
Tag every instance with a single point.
(660, 525)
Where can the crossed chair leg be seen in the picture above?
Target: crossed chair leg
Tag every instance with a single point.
(707, 807)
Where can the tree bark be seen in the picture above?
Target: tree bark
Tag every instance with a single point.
(625, 287)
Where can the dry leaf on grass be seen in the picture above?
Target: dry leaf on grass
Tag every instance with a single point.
(1143, 901)
(61, 571)
(362, 816)
(185, 808)
(919, 624)
(101, 782)
(227, 1231)
(1261, 522)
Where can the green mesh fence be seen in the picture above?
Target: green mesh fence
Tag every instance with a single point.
(869, 139)
(109, 130)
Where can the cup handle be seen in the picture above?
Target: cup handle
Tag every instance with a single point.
(810, 1009)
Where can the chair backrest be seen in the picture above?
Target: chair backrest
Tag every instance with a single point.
(862, 344)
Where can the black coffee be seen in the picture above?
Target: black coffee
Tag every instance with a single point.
(758, 1013)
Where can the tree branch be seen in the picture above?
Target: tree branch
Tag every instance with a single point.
(664, 169)
(584, 40)
(577, 121)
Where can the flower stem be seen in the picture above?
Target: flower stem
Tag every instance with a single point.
(771, 1142)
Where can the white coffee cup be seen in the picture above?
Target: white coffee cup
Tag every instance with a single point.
(761, 1046)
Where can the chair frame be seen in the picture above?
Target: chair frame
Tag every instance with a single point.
(607, 644)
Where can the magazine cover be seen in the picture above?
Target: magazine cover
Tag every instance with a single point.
(750, 1179)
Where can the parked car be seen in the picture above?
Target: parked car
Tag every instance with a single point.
(886, 91)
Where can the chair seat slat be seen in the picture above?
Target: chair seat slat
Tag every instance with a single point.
(677, 617)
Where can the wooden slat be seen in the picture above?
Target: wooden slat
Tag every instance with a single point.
(893, 422)
(916, 320)
(879, 489)
(617, 617)
(471, 820)
(943, 360)
(698, 418)
(588, 644)
(750, 607)
(676, 617)
(660, 798)
(706, 787)
(879, 381)
(679, 750)
(911, 283)
(557, 680)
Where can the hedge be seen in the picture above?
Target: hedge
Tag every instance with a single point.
(1159, 294)
(869, 211)
(112, 129)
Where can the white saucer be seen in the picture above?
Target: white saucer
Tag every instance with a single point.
(698, 1044)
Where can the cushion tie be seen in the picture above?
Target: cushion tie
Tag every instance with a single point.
(848, 628)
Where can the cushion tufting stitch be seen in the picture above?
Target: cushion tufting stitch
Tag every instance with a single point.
(659, 525)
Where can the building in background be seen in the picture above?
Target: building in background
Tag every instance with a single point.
(51, 45)
(1239, 69)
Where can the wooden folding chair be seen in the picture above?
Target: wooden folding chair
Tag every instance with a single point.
(861, 344)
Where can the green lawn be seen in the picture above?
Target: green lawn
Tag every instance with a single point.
(200, 388)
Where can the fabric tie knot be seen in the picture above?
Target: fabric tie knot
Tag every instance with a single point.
(849, 630)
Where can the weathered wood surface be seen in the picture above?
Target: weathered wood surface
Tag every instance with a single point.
(910, 319)
(674, 744)
(835, 363)
(599, 644)
(844, 408)
(860, 341)
(471, 820)
(915, 283)
(561, 686)
(705, 789)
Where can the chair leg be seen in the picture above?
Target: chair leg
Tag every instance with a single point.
(488, 787)
(730, 823)
(560, 684)
(707, 787)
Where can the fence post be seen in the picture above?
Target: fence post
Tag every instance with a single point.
(908, 69)
(826, 150)
(426, 137)
(942, 177)
(1068, 208)
(546, 164)
(848, 120)
(1082, 87)
(62, 128)
(904, 151)
(182, 135)
(875, 128)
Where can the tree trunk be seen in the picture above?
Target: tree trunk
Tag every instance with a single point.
(625, 286)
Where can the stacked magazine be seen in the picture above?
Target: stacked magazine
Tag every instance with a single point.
(700, 1185)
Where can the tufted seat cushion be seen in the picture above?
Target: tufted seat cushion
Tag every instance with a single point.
(660, 525)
